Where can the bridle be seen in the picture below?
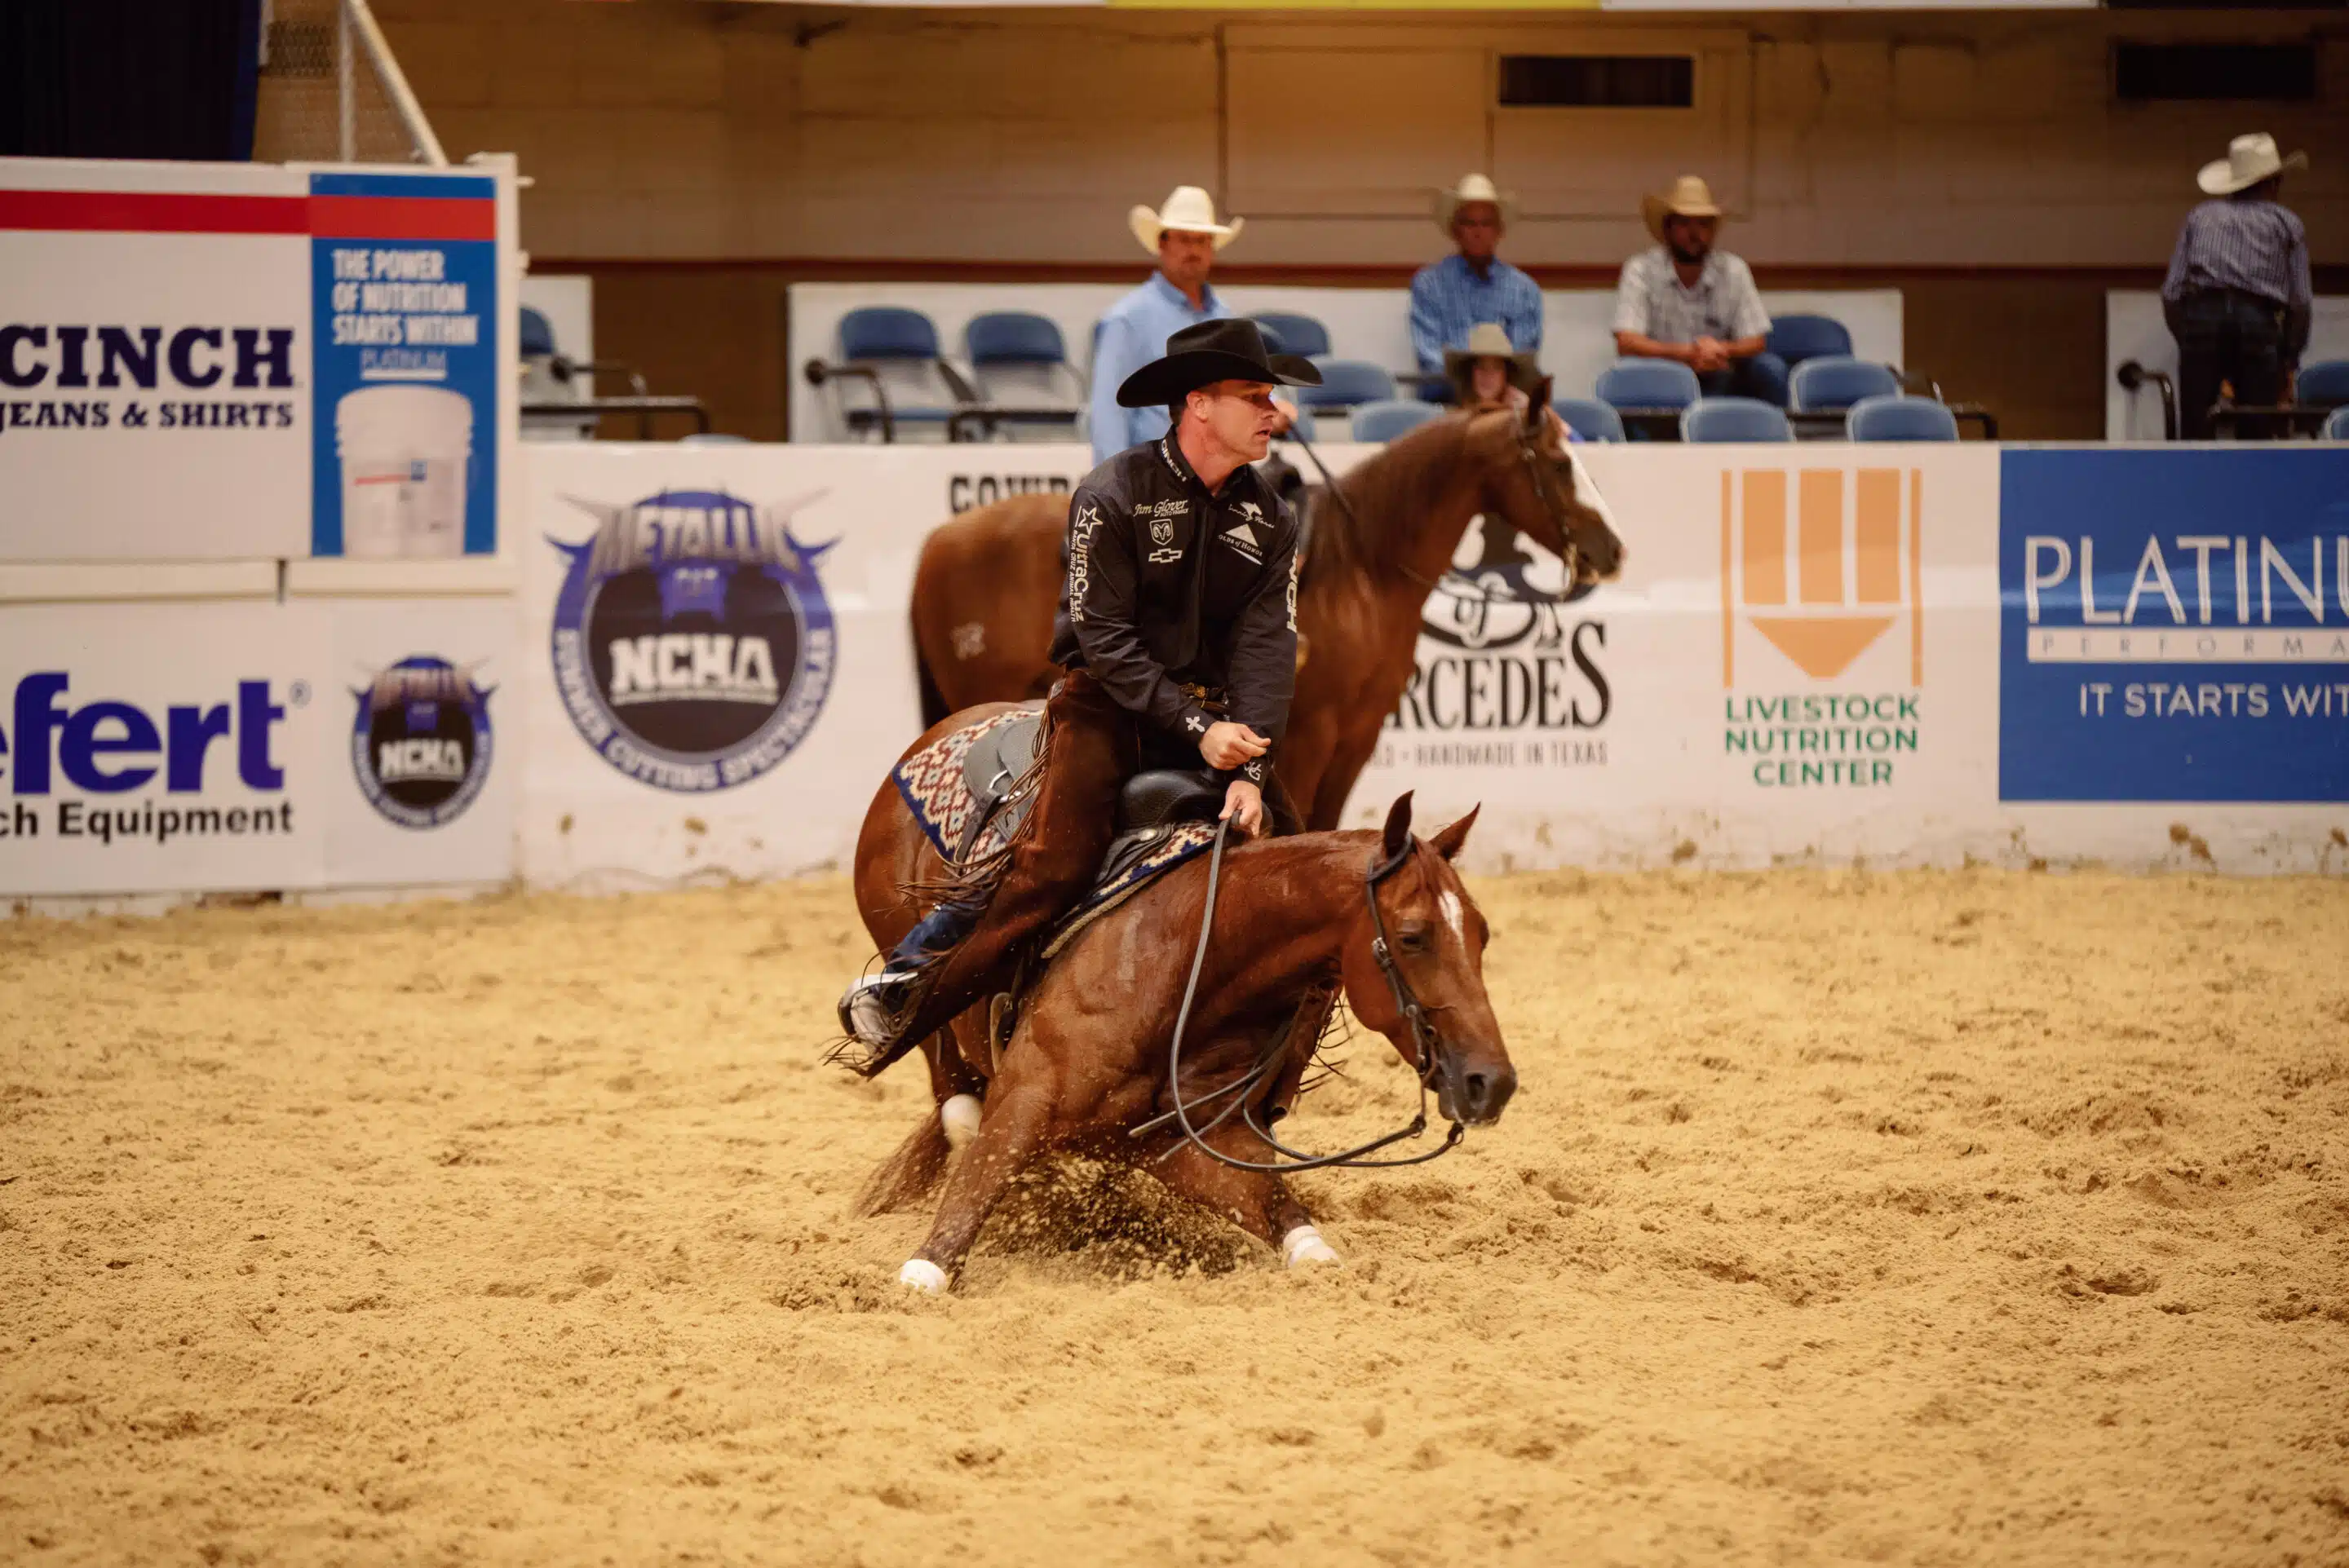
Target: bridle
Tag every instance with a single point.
(1538, 469)
(1427, 1049)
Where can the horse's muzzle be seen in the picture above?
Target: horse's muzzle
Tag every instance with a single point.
(1474, 1092)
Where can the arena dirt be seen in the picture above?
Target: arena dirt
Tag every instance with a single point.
(1976, 1218)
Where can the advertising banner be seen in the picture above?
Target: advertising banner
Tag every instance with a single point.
(2171, 633)
(719, 672)
(427, 775)
(1780, 672)
(161, 748)
(232, 362)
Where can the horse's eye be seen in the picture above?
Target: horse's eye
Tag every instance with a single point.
(1412, 938)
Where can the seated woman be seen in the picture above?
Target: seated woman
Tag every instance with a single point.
(1491, 373)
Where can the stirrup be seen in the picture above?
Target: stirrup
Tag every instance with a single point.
(873, 1009)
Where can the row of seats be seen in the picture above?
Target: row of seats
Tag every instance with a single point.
(1891, 416)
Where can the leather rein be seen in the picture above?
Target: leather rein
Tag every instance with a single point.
(1426, 1048)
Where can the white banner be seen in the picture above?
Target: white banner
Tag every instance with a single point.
(1792, 666)
(162, 748)
(247, 744)
(238, 361)
(719, 669)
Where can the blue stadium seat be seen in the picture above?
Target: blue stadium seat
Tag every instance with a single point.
(1590, 418)
(2336, 424)
(2323, 384)
(1795, 338)
(1294, 334)
(900, 347)
(1899, 419)
(1346, 383)
(1832, 383)
(1647, 384)
(1725, 419)
(537, 335)
(888, 332)
(1018, 361)
(1396, 417)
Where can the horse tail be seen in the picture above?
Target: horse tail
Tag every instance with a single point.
(907, 1175)
(933, 701)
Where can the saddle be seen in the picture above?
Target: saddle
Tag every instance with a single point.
(995, 771)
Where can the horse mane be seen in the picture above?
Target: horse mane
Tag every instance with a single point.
(1388, 496)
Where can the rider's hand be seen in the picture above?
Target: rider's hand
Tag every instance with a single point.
(1228, 745)
(1244, 805)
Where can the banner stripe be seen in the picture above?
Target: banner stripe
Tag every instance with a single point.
(327, 217)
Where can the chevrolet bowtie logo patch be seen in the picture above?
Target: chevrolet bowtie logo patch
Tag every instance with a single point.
(1813, 560)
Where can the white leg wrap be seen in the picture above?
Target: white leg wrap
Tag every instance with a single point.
(1304, 1246)
(959, 1117)
(921, 1274)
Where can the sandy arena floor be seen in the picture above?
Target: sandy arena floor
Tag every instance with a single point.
(1978, 1218)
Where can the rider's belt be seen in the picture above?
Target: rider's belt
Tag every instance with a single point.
(1212, 698)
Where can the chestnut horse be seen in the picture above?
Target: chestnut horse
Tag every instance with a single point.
(1086, 1067)
(989, 581)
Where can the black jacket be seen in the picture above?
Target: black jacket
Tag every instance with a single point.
(1168, 584)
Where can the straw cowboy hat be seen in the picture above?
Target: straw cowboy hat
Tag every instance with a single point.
(1490, 340)
(2250, 159)
(1690, 197)
(1472, 187)
(1212, 350)
(1190, 210)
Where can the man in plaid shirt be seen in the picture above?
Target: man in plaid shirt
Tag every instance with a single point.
(2238, 298)
(1685, 299)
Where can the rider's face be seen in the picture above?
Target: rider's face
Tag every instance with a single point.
(1488, 379)
(1240, 417)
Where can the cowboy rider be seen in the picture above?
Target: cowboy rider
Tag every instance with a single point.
(1177, 628)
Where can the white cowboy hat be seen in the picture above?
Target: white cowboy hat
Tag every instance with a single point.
(1190, 210)
(1472, 187)
(1490, 340)
(1690, 197)
(2250, 159)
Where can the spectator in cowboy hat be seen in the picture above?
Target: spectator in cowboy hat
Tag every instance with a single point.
(1184, 236)
(1685, 299)
(2238, 298)
(1472, 285)
(1489, 369)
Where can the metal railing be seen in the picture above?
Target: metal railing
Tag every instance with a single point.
(356, 20)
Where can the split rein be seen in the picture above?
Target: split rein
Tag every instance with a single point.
(1425, 1045)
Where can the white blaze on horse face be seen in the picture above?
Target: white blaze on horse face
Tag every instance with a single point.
(1449, 903)
(969, 639)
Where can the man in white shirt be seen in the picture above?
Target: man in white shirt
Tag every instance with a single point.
(1683, 300)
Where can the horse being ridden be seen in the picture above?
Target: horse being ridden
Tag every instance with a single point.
(1379, 917)
(1178, 629)
(987, 581)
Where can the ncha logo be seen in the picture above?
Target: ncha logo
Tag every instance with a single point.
(420, 742)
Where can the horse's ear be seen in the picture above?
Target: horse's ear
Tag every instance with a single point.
(1398, 832)
(1538, 406)
(1448, 843)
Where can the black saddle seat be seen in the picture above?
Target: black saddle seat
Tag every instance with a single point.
(1167, 796)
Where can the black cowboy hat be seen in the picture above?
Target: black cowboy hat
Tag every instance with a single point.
(1213, 351)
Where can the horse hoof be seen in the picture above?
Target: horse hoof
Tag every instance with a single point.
(1304, 1246)
(959, 1117)
(923, 1276)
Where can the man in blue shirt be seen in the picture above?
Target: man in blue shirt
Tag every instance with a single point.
(1184, 236)
(2238, 298)
(1451, 298)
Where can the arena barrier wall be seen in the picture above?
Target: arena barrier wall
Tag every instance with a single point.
(1578, 336)
(228, 362)
(1817, 654)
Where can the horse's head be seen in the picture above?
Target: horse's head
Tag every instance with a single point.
(1532, 480)
(1427, 994)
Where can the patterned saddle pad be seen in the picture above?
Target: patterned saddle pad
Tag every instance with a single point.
(937, 787)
